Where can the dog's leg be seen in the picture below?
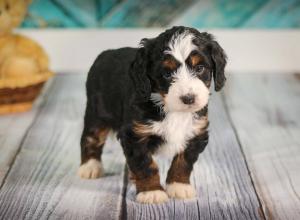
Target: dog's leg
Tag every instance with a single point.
(92, 142)
(143, 169)
(147, 183)
(178, 178)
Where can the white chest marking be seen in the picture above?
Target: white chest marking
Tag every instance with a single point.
(176, 129)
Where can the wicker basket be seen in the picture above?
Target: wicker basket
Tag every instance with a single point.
(19, 98)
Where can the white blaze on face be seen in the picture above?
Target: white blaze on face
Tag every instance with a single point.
(185, 82)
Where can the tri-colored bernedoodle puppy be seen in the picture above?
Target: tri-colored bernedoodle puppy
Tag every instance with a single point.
(155, 99)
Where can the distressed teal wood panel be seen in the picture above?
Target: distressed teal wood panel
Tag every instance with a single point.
(159, 13)
(105, 6)
(276, 14)
(145, 13)
(44, 13)
(219, 13)
(83, 12)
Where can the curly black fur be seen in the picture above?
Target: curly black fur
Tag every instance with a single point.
(119, 86)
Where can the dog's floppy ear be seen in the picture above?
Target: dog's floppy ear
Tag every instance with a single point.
(219, 62)
(138, 73)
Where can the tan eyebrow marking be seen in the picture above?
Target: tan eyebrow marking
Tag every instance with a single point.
(170, 63)
(195, 59)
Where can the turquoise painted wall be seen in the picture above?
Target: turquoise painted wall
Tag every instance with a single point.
(160, 13)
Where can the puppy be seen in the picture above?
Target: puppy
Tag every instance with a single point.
(155, 98)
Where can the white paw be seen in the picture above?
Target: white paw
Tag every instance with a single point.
(90, 170)
(180, 190)
(155, 196)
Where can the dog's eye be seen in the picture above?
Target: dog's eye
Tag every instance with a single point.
(7, 6)
(167, 75)
(199, 68)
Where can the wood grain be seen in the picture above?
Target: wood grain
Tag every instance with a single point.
(265, 111)
(13, 129)
(220, 175)
(43, 183)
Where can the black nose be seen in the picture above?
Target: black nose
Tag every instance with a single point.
(188, 99)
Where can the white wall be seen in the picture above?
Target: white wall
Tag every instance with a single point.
(73, 50)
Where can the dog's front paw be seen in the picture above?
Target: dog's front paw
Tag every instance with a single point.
(155, 196)
(90, 170)
(181, 190)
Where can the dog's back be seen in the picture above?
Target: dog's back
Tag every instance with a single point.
(107, 85)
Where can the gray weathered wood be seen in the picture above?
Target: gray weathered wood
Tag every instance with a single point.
(266, 112)
(220, 175)
(42, 182)
(13, 128)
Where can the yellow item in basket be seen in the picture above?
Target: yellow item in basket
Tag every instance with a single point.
(24, 65)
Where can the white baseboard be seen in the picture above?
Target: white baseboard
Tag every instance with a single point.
(74, 50)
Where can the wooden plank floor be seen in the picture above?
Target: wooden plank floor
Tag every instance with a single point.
(265, 111)
(250, 170)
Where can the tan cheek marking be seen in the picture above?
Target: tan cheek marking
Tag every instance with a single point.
(195, 60)
(170, 64)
